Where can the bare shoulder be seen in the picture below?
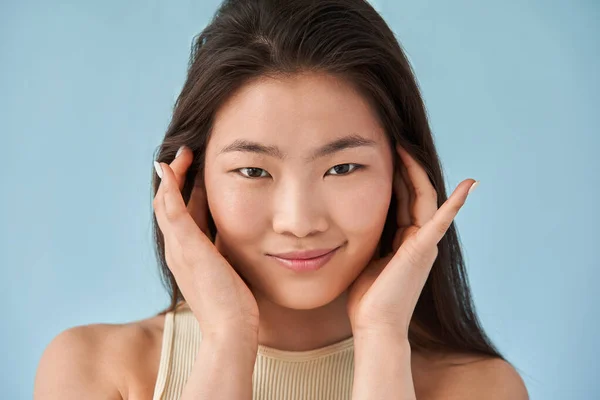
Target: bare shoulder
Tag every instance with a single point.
(109, 361)
(470, 376)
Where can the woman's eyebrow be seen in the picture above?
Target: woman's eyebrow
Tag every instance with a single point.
(346, 142)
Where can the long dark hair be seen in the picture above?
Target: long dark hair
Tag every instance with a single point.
(250, 39)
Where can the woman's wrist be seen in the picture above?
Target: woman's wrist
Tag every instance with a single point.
(382, 366)
(239, 340)
(223, 368)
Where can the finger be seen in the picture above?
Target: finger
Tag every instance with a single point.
(198, 208)
(403, 198)
(158, 202)
(181, 164)
(177, 221)
(171, 246)
(425, 201)
(197, 204)
(410, 193)
(434, 230)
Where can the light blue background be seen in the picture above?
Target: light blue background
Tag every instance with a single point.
(513, 93)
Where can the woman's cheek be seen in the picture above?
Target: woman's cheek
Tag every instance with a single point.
(237, 212)
(363, 211)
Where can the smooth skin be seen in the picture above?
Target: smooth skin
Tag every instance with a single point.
(294, 200)
(218, 297)
(378, 308)
(121, 361)
(385, 295)
(374, 303)
(106, 361)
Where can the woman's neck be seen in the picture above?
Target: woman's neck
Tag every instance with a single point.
(301, 330)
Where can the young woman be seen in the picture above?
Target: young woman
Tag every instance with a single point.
(303, 230)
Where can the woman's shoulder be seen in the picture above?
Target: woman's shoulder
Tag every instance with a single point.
(459, 375)
(115, 361)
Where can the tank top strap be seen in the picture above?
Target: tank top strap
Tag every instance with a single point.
(180, 345)
(165, 356)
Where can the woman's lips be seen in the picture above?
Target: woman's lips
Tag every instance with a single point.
(304, 254)
(308, 264)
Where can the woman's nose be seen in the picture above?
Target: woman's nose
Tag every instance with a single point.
(299, 212)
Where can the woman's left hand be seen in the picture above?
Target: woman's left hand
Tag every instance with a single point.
(383, 297)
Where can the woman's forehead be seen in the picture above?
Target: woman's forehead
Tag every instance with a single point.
(268, 115)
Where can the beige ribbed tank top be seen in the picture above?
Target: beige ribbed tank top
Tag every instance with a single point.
(323, 373)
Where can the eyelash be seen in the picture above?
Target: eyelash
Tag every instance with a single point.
(356, 168)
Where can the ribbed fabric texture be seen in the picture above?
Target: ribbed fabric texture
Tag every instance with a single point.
(324, 373)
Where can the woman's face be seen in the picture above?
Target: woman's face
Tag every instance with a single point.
(263, 204)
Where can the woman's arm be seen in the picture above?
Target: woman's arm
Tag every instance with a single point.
(382, 370)
(382, 367)
(223, 369)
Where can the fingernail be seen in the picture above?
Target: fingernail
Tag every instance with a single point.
(473, 186)
(158, 169)
(179, 151)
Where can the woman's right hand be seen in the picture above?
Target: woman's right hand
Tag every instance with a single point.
(219, 298)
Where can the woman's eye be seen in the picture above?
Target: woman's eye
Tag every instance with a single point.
(252, 172)
(340, 169)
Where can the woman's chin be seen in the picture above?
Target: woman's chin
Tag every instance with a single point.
(302, 299)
